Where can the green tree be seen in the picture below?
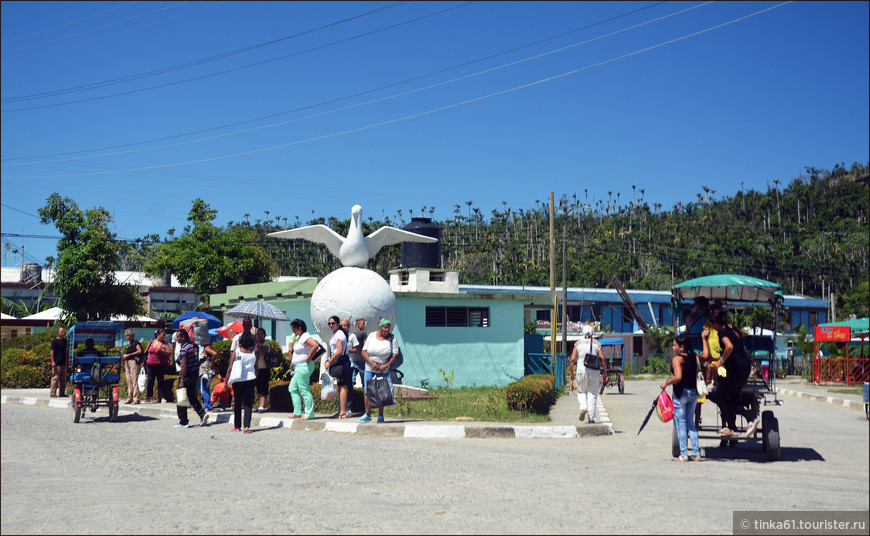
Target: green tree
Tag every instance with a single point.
(207, 259)
(87, 260)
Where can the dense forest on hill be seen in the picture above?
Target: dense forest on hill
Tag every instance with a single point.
(810, 235)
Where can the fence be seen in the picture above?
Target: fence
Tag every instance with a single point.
(543, 364)
(840, 369)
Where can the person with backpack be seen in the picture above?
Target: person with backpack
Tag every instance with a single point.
(684, 368)
(133, 357)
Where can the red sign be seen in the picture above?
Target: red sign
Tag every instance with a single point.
(832, 333)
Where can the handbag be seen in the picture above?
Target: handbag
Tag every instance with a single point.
(235, 372)
(140, 359)
(379, 392)
(319, 352)
(592, 361)
(327, 388)
(181, 396)
(142, 381)
(700, 384)
(336, 370)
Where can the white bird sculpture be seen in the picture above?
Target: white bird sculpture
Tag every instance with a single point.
(356, 249)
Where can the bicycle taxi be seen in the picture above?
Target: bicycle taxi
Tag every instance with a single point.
(736, 291)
(94, 375)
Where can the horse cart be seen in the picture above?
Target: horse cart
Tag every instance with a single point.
(737, 291)
(95, 376)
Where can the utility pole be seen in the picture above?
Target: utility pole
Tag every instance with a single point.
(565, 279)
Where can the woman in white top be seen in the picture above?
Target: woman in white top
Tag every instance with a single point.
(243, 388)
(380, 351)
(303, 364)
(588, 379)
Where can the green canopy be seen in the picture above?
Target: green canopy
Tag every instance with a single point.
(729, 288)
(859, 325)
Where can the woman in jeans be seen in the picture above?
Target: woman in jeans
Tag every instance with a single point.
(243, 389)
(303, 364)
(338, 356)
(380, 351)
(158, 357)
(685, 369)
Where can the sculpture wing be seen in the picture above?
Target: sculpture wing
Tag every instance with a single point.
(387, 236)
(314, 233)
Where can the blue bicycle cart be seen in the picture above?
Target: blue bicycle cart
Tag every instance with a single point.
(93, 375)
(614, 357)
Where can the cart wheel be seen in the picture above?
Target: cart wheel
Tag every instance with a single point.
(675, 443)
(77, 411)
(766, 426)
(773, 448)
(621, 385)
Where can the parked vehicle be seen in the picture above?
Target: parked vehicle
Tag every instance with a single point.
(95, 377)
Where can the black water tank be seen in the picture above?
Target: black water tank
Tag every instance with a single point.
(419, 255)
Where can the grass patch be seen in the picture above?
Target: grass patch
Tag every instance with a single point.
(475, 403)
(847, 390)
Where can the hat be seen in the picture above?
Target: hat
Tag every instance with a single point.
(588, 331)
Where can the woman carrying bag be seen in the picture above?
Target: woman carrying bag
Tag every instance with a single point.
(589, 359)
(379, 351)
(155, 365)
(685, 370)
(304, 350)
(133, 357)
(243, 381)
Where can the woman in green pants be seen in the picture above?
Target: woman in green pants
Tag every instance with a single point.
(303, 363)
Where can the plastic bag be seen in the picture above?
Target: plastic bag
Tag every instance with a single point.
(327, 388)
(142, 380)
(181, 397)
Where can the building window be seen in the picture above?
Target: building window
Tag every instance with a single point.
(436, 276)
(403, 278)
(457, 317)
(814, 318)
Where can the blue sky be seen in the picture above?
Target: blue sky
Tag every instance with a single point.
(307, 108)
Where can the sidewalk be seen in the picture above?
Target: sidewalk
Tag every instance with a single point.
(564, 420)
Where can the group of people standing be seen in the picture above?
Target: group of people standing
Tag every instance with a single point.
(722, 347)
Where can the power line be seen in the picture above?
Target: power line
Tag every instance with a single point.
(359, 36)
(383, 99)
(109, 36)
(427, 112)
(66, 24)
(332, 101)
(200, 61)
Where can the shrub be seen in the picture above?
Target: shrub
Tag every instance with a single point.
(21, 368)
(656, 364)
(223, 356)
(535, 393)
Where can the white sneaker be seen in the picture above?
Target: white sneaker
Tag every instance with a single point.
(179, 425)
(751, 428)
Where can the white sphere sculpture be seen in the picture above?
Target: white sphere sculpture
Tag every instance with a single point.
(352, 293)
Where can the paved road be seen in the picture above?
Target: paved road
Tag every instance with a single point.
(140, 475)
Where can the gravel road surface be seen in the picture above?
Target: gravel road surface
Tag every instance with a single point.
(141, 475)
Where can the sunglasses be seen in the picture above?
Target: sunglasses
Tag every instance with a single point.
(331, 323)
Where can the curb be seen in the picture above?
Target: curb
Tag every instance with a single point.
(414, 430)
(834, 401)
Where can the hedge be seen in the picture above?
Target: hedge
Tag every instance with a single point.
(535, 393)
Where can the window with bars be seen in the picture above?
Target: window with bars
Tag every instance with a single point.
(457, 317)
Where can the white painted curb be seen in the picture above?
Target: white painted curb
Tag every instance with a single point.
(436, 431)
